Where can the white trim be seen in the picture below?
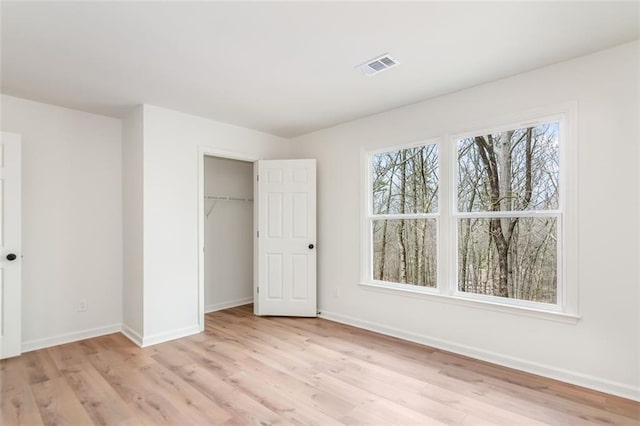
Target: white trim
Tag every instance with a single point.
(503, 301)
(564, 375)
(228, 304)
(413, 288)
(447, 222)
(415, 144)
(203, 151)
(487, 304)
(61, 339)
(127, 331)
(569, 177)
(170, 335)
(132, 335)
(366, 252)
(507, 121)
(395, 216)
(256, 241)
(507, 214)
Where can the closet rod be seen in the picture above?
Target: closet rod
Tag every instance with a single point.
(217, 198)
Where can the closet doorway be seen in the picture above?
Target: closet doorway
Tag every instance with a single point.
(228, 222)
(240, 196)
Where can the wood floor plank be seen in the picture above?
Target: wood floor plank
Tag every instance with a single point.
(288, 403)
(39, 367)
(443, 408)
(68, 355)
(187, 399)
(19, 407)
(99, 399)
(254, 370)
(13, 375)
(304, 391)
(58, 404)
(221, 390)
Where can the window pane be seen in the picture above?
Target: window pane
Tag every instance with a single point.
(404, 251)
(510, 170)
(512, 257)
(405, 181)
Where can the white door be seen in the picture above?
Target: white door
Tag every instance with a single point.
(286, 238)
(10, 246)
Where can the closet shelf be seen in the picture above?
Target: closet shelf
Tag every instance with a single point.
(222, 198)
(216, 198)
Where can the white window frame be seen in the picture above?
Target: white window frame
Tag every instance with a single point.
(370, 217)
(566, 308)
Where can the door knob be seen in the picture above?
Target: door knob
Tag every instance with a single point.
(311, 246)
(11, 257)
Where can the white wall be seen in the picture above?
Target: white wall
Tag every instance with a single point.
(132, 215)
(171, 141)
(602, 349)
(228, 232)
(71, 221)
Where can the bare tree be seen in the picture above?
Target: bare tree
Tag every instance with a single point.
(405, 182)
(517, 170)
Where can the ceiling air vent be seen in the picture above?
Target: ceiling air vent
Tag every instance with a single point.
(376, 65)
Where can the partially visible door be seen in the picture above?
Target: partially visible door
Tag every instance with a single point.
(10, 246)
(286, 238)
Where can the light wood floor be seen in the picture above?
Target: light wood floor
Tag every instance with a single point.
(249, 370)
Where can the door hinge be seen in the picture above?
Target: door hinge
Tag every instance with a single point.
(258, 178)
(258, 290)
(257, 234)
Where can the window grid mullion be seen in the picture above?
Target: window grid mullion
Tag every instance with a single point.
(405, 216)
(507, 214)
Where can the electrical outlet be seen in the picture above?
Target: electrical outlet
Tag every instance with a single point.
(82, 305)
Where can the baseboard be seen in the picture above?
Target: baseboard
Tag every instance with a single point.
(130, 334)
(61, 339)
(170, 335)
(127, 331)
(228, 304)
(579, 379)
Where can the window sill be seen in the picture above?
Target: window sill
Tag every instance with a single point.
(430, 294)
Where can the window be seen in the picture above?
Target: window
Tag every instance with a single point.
(507, 213)
(404, 213)
(477, 217)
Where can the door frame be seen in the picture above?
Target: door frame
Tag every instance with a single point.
(208, 151)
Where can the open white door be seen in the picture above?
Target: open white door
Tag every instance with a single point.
(286, 238)
(10, 246)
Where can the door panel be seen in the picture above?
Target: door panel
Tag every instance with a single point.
(286, 211)
(299, 273)
(275, 216)
(274, 276)
(300, 217)
(10, 246)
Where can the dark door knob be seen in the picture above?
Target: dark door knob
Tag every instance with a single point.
(11, 257)
(311, 246)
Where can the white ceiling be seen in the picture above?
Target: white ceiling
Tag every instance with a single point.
(287, 68)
